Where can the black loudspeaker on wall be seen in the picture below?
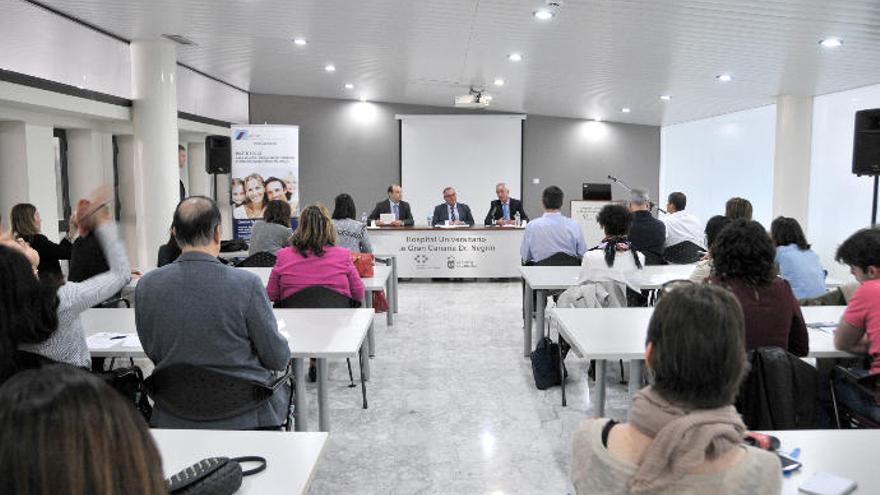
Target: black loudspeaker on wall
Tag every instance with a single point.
(866, 143)
(219, 154)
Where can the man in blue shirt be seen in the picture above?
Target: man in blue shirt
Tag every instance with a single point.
(552, 233)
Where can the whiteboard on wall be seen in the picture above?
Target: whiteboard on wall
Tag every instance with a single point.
(471, 153)
(584, 213)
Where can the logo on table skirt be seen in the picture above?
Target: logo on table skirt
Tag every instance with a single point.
(421, 259)
(450, 262)
(241, 134)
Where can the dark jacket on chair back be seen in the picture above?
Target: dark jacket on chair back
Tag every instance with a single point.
(779, 392)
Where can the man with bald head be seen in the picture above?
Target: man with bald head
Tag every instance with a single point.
(200, 312)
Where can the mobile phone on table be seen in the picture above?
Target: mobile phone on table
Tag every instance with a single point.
(789, 464)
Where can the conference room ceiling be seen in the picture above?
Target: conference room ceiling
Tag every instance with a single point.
(594, 58)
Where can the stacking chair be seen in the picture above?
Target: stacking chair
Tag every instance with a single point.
(258, 260)
(198, 394)
(318, 296)
(867, 387)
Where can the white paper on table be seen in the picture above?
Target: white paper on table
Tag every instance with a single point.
(131, 340)
(823, 326)
(103, 340)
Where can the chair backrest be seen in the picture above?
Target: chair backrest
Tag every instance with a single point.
(683, 253)
(200, 394)
(560, 259)
(258, 260)
(317, 296)
(779, 393)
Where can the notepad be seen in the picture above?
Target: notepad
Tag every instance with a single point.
(131, 341)
(104, 340)
(827, 484)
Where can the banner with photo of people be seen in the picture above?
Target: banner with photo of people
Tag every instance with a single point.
(265, 167)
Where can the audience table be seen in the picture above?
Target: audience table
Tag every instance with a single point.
(291, 458)
(845, 453)
(312, 333)
(539, 279)
(619, 333)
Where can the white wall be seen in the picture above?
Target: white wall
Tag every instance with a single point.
(714, 159)
(27, 172)
(840, 203)
(199, 95)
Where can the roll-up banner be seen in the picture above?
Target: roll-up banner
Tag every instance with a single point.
(265, 167)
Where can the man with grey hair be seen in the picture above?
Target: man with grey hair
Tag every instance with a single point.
(200, 312)
(451, 210)
(503, 210)
(647, 234)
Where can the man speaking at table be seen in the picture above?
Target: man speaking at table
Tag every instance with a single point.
(503, 210)
(394, 204)
(453, 211)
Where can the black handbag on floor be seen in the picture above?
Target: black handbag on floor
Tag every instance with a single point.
(129, 382)
(545, 364)
(213, 476)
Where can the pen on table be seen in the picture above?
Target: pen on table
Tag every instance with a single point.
(116, 337)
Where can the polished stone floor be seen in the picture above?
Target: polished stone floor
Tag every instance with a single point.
(453, 408)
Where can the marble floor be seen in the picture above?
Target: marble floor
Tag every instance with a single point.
(453, 405)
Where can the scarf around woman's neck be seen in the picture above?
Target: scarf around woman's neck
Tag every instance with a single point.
(683, 439)
(612, 244)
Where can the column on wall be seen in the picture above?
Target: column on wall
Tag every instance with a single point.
(27, 168)
(199, 180)
(89, 162)
(154, 118)
(791, 167)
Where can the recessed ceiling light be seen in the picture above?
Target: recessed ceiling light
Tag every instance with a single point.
(499, 82)
(544, 14)
(515, 57)
(724, 77)
(665, 97)
(349, 86)
(330, 68)
(831, 43)
(300, 41)
(625, 110)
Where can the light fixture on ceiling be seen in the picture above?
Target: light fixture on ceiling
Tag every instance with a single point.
(499, 81)
(515, 57)
(665, 97)
(330, 68)
(626, 110)
(724, 77)
(180, 39)
(548, 11)
(300, 41)
(831, 43)
(349, 86)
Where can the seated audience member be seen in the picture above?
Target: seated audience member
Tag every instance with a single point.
(743, 257)
(704, 267)
(451, 210)
(613, 259)
(67, 344)
(552, 232)
(63, 430)
(350, 233)
(681, 225)
(647, 234)
(394, 204)
(684, 434)
(859, 329)
(168, 252)
(502, 211)
(797, 263)
(86, 257)
(313, 259)
(200, 312)
(26, 223)
(738, 208)
(272, 232)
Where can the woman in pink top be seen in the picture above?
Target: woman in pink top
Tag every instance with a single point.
(312, 259)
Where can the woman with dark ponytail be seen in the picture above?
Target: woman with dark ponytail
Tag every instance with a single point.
(613, 259)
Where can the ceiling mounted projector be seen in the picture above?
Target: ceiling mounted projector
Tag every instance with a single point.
(474, 99)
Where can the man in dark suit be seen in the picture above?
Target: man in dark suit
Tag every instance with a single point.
(647, 234)
(181, 162)
(503, 210)
(394, 204)
(457, 213)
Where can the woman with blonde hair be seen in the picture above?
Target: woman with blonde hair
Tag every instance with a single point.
(255, 198)
(27, 224)
(314, 259)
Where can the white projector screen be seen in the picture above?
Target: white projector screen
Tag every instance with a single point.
(471, 153)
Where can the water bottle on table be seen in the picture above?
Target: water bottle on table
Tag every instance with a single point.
(516, 218)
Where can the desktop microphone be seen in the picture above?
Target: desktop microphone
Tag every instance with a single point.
(492, 213)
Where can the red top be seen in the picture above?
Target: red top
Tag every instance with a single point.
(863, 312)
(773, 316)
(334, 269)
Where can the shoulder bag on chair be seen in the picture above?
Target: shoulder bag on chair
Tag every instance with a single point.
(213, 476)
(364, 264)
